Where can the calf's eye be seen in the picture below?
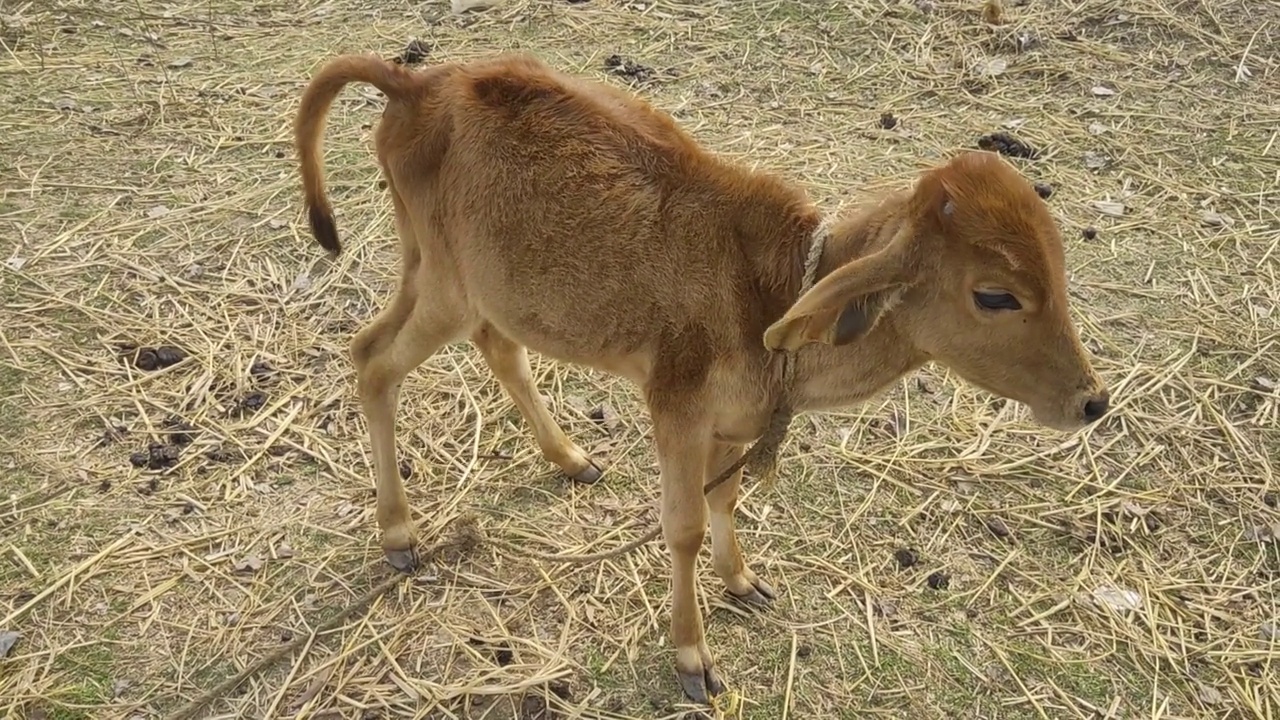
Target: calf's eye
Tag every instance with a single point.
(996, 301)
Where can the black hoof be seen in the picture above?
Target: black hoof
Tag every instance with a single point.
(405, 561)
(700, 687)
(590, 476)
(761, 595)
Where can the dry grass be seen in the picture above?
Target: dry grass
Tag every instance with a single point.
(150, 196)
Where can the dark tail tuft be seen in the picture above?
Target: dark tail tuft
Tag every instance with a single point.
(397, 83)
(324, 230)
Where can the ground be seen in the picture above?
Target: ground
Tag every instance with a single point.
(937, 554)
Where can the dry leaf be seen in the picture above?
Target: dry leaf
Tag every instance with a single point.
(1114, 209)
(1213, 219)
(8, 639)
(1133, 509)
(1209, 695)
(1263, 533)
(995, 67)
(250, 564)
(1118, 599)
(16, 262)
(461, 6)
(284, 551)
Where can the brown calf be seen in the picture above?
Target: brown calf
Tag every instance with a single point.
(538, 210)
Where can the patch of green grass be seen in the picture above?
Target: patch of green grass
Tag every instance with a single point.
(606, 678)
(44, 556)
(1091, 682)
(13, 414)
(88, 675)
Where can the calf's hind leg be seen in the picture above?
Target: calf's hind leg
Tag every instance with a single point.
(399, 339)
(509, 362)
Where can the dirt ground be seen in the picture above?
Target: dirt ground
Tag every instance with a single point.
(170, 516)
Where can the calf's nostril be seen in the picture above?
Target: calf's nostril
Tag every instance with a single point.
(1095, 408)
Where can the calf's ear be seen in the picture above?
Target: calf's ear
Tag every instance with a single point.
(845, 304)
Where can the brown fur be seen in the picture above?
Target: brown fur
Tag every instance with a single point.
(538, 210)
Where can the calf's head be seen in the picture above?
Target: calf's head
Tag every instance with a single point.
(974, 278)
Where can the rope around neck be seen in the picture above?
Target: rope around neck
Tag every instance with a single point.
(761, 459)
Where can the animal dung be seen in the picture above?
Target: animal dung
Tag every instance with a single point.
(253, 401)
(905, 557)
(157, 358)
(180, 431)
(157, 457)
(997, 527)
(619, 65)
(1007, 145)
(262, 370)
(415, 52)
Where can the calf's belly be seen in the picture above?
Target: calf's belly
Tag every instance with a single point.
(576, 334)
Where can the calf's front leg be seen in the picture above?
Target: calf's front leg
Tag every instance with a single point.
(682, 446)
(726, 555)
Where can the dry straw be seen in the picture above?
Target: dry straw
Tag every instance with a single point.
(937, 555)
